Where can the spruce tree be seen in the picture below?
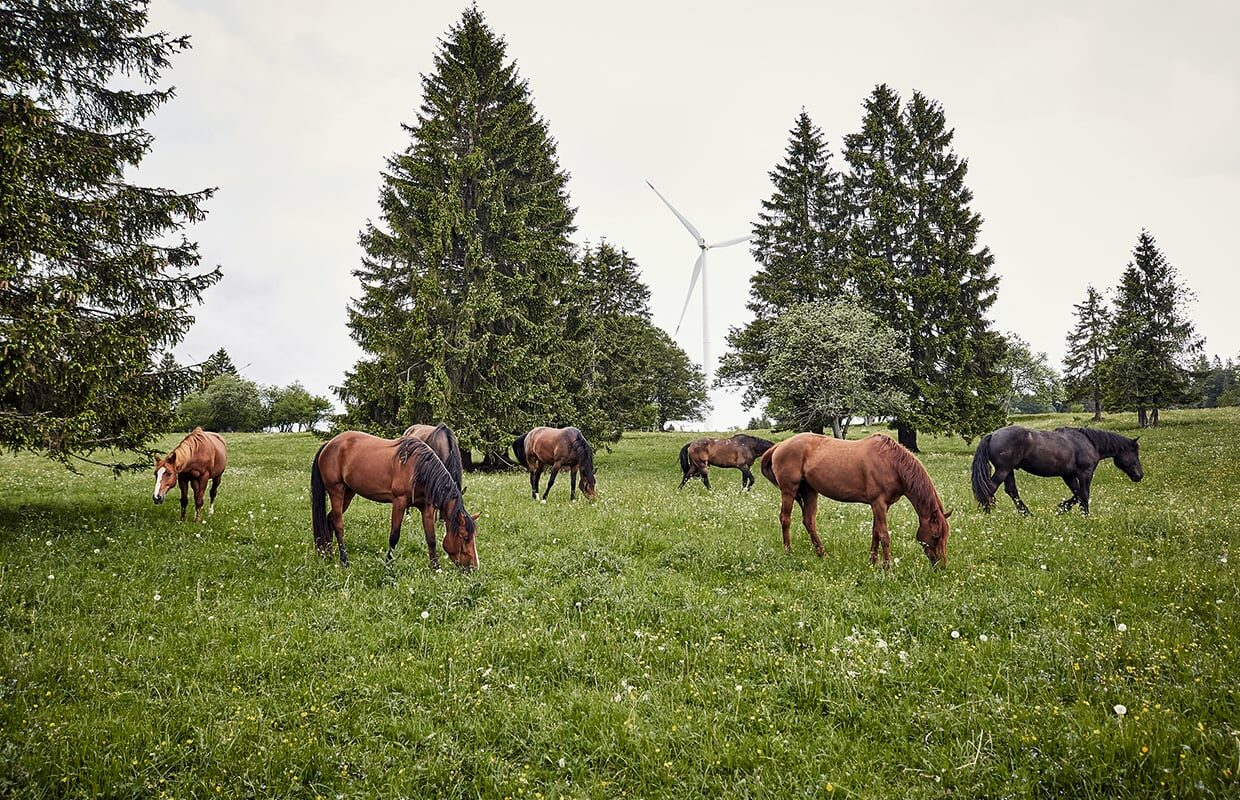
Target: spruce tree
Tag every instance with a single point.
(1152, 336)
(94, 279)
(918, 264)
(468, 277)
(799, 242)
(1087, 349)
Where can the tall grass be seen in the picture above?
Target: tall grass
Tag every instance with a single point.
(654, 643)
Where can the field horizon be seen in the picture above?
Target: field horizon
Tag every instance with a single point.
(654, 643)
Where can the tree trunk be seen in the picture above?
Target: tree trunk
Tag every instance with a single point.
(1142, 421)
(907, 437)
(1097, 406)
(817, 428)
(835, 428)
(1154, 418)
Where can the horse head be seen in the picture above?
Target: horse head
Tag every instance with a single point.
(587, 485)
(460, 539)
(1129, 460)
(165, 477)
(932, 533)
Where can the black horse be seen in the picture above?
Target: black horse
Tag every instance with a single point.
(1071, 453)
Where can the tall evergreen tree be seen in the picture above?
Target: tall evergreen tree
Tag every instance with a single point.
(468, 278)
(800, 241)
(1152, 336)
(917, 262)
(1087, 348)
(217, 364)
(94, 282)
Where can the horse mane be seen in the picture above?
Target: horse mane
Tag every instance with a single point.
(430, 473)
(1107, 442)
(183, 453)
(585, 455)
(917, 484)
(453, 462)
(759, 446)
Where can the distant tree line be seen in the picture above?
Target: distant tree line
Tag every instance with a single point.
(216, 397)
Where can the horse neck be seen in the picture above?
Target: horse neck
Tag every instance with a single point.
(918, 487)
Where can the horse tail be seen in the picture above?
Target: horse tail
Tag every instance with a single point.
(767, 469)
(684, 460)
(983, 489)
(318, 505)
(518, 447)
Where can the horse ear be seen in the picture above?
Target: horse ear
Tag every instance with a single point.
(172, 458)
(464, 489)
(947, 514)
(475, 516)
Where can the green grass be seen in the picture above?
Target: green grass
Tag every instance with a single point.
(655, 643)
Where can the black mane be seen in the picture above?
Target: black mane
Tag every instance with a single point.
(585, 455)
(1107, 442)
(757, 446)
(430, 473)
(453, 448)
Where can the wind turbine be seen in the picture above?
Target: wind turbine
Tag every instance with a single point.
(699, 270)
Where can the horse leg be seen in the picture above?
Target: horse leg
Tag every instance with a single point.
(535, 477)
(703, 470)
(880, 534)
(1074, 485)
(339, 503)
(215, 487)
(809, 518)
(572, 477)
(1086, 479)
(399, 504)
(200, 489)
(428, 528)
(183, 484)
(746, 478)
(1009, 486)
(550, 480)
(785, 516)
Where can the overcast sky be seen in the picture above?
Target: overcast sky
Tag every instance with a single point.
(1082, 123)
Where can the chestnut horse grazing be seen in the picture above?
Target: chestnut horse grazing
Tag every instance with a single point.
(404, 472)
(443, 441)
(1071, 453)
(875, 470)
(558, 448)
(737, 452)
(201, 456)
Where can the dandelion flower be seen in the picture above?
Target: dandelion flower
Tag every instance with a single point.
(426, 615)
(1121, 627)
(1120, 709)
(955, 634)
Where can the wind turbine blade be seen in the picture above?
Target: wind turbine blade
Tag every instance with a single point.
(731, 242)
(697, 236)
(697, 271)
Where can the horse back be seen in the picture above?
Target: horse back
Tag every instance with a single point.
(365, 464)
(553, 446)
(844, 470)
(219, 454)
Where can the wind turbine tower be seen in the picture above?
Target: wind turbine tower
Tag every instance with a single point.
(699, 271)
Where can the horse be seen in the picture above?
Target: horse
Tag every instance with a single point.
(404, 472)
(558, 448)
(874, 470)
(738, 452)
(443, 441)
(1070, 453)
(201, 456)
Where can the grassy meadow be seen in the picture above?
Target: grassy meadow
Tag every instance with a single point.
(655, 643)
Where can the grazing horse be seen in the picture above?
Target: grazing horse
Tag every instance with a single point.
(875, 470)
(404, 472)
(201, 456)
(558, 448)
(1071, 453)
(443, 441)
(738, 452)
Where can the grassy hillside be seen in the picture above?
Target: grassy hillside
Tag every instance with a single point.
(655, 643)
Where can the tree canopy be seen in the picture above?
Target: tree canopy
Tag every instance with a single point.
(96, 277)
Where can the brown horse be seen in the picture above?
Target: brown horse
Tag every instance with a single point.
(404, 472)
(201, 456)
(443, 441)
(558, 448)
(737, 452)
(875, 470)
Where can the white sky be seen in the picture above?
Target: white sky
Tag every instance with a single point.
(1082, 123)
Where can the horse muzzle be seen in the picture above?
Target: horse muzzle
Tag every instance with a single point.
(158, 498)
